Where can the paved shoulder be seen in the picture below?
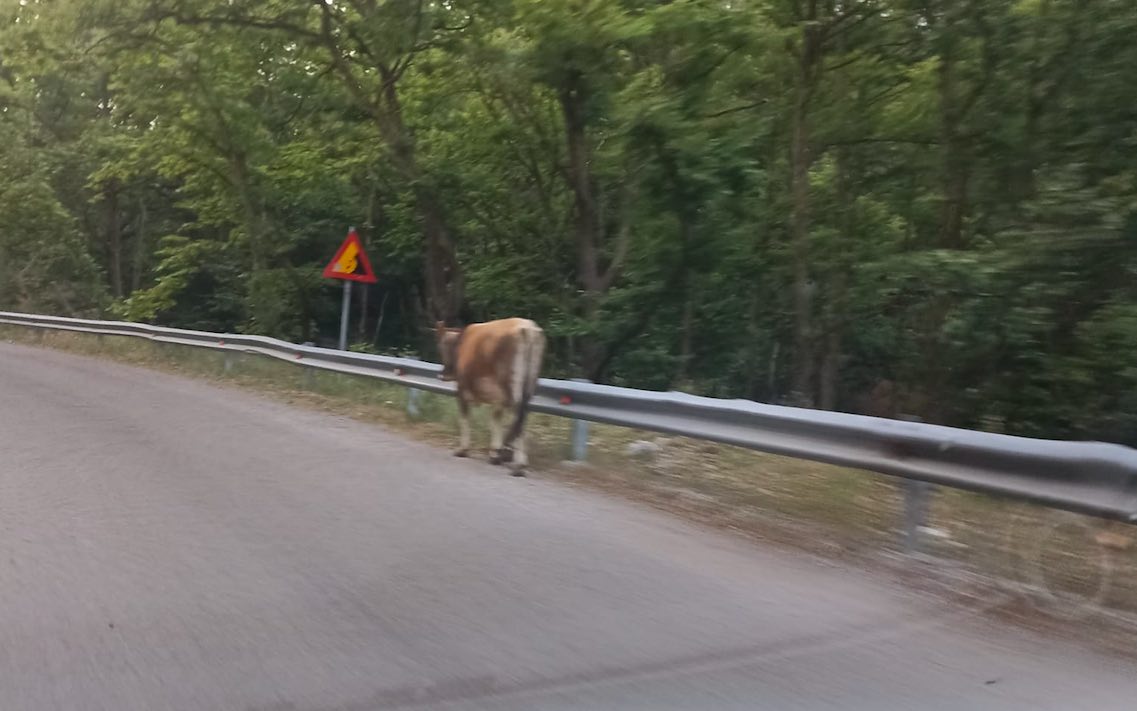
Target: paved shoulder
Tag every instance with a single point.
(172, 545)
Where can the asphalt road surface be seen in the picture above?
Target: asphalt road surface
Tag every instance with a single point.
(167, 544)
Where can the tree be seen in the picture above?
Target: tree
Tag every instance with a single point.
(925, 204)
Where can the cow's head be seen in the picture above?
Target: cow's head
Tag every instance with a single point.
(447, 339)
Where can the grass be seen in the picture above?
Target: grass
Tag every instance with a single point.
(1053, 560)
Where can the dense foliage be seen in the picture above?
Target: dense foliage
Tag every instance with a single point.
(886, 206)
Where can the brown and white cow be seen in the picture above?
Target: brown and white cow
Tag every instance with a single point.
(495, 363)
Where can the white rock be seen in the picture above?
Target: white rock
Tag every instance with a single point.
(935, 532)
(643, 448)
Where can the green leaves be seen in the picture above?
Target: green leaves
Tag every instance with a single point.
(620, 171)
(44, 265)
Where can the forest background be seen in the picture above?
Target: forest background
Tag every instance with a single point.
(919, 207)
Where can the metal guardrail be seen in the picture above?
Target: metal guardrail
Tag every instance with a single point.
(1087, 477)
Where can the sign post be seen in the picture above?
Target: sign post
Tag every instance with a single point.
(350, 264)
(344, 309)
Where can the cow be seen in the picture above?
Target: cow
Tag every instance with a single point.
(495, 363)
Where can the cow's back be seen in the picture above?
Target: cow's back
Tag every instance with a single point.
(488, 364)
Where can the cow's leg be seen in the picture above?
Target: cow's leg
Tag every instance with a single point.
(463, 428)
(496, 453)
(520, 455)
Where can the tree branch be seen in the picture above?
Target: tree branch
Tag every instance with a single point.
(881, 139)
(623, 240)
(641, 320)
(327, 38)
(157, 14)
(736, 109)
(988, 64)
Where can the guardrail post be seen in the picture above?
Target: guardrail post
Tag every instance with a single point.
(413, 395)
(917, 497)
(579, 435)
(917, 502)
(309, 372)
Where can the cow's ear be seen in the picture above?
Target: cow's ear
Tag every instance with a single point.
(439, 328)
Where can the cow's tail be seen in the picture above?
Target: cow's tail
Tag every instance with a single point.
(530, 353)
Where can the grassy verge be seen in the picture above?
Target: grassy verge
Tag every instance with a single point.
(1072, 567)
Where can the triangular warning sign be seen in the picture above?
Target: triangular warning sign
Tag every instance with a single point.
(351, 262)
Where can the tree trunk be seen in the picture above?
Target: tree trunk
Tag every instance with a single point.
(305, 304)
(1023, 184)
(139, 261)
(254, 216)
(752, 364)
(801, 159)
(586, 224)
(362, 292)
(957, 175)
(956, 159)
(830, 371)
(686, 327)
(382, 315)
(830, 375)
(772, 372)
(442, 275)
(114, 237)
(586, 220)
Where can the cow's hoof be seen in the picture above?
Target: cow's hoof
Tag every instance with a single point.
(495, 458)
(505, 455)
(461, 452)
(517, 471)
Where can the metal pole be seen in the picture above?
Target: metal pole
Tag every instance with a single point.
(412, 402)
(917, 500)
(308, 379)
(579, 440)
(414, 396)
(917, 495)
(343, 313)
(580, 435)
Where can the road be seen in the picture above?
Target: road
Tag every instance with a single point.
(168, 544)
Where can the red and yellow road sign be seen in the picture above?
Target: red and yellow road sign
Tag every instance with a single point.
(351, 262)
